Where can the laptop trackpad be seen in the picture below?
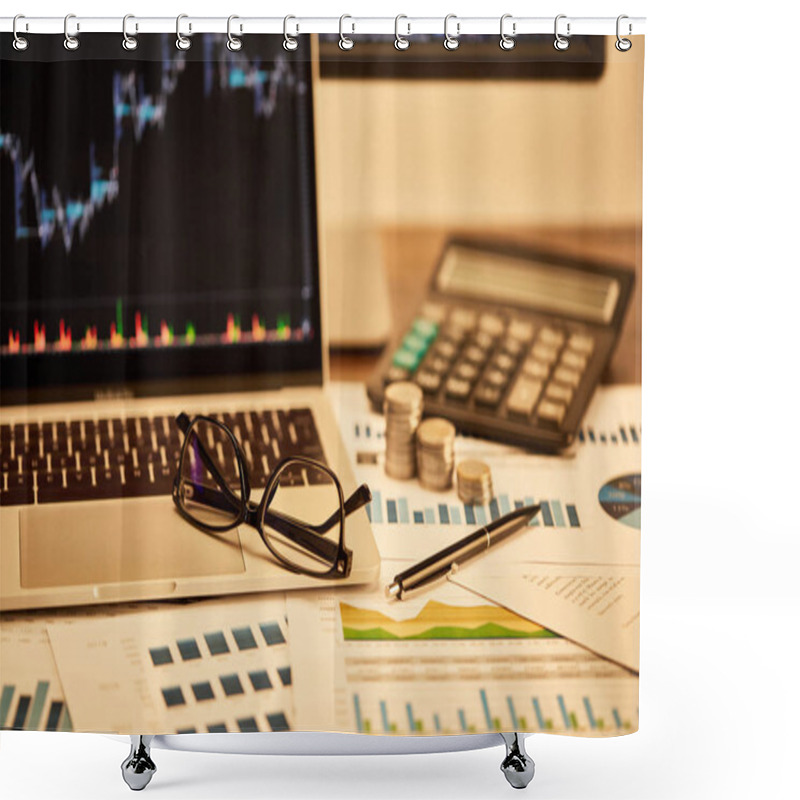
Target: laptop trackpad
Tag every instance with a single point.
(112, 542)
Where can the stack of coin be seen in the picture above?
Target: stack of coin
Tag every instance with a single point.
(474, 480)
(402, 407)
(435, 440)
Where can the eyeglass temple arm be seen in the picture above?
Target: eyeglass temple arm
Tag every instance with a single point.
(288, 526)
(184, 424)
(359, 498)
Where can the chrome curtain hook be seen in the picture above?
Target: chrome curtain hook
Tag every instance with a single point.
(289, 42)
(623, 45)
(345, 42)
(71, 42)
(561, 42)
(450, 41)
(507, 42)
(234, 43)
(129, 42)
(182, 42)
(20, 42)
(401, 42)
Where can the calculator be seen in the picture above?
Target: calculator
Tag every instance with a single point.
(510, 342)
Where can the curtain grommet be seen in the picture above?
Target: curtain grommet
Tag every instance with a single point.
(507, 42)
(561, 43)
(71, 42)
(234, 43)
(451, 42)
(623, 45)
(20, 43)
(129, 42)
(182, 42)
(289, 42)
(401, 42)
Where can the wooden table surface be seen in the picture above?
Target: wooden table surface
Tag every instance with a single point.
(411, 254)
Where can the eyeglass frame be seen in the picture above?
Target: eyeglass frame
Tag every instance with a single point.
(254, 514)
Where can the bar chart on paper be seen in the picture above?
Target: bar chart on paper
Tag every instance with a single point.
(581, 710)
(206, 668)
(33, 705)
(403, 510)
(455, 666)
(31, 694)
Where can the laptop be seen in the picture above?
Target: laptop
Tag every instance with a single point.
(159, 255)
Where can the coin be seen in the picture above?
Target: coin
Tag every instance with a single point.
(474, 482)
(402, 407)
(435, 453)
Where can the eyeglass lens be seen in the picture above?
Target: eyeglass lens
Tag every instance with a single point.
(210, 487)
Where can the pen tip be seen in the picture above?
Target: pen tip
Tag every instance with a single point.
(393, 591)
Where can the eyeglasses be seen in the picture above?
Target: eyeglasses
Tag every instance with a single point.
(302, 512)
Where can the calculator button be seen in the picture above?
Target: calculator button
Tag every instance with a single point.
(488, 396)
(426, 329)
(496, 377)
(395, 373)
(535, 369)
(463, 318)
(549, 411)
(445, 349)
(512, 347)
(567, 376)
(428, 381)
(457, 389)
(583, 344)
(454, 334)
(435, 312)
(415, 344)
(573, 360)
(562, 394)
(406, 359)
(466, 371)
(523, 397)
(484, 340)
(544, 352)
(504, 362)
(521, 329)
(476, 355)
(437, 364)
(551, 337)
(491, 324)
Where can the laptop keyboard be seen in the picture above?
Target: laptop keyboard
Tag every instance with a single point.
(93, 459)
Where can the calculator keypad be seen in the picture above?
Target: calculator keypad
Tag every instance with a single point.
(506, 365)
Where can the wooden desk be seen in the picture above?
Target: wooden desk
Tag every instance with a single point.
(411, 254)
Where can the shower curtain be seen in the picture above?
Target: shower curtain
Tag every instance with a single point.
(285, 321)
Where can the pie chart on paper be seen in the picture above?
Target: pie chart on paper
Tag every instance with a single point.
(622, 499)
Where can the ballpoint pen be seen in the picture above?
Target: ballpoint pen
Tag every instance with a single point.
(442, 562)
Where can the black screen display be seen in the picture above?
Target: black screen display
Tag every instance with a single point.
(157, 215)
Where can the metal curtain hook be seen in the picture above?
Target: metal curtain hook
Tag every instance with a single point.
(507, 42)
(450, 41)
(70, 42)
(182, 42)
(561, 42)
(20, 42)
(345, 42)
(234, 43)
(623, 45)
(289, 42)
(129, 42)
(400, 42)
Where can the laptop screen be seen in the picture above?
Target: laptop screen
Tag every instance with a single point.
(165, 239)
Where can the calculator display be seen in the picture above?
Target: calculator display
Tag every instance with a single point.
(505, 278)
